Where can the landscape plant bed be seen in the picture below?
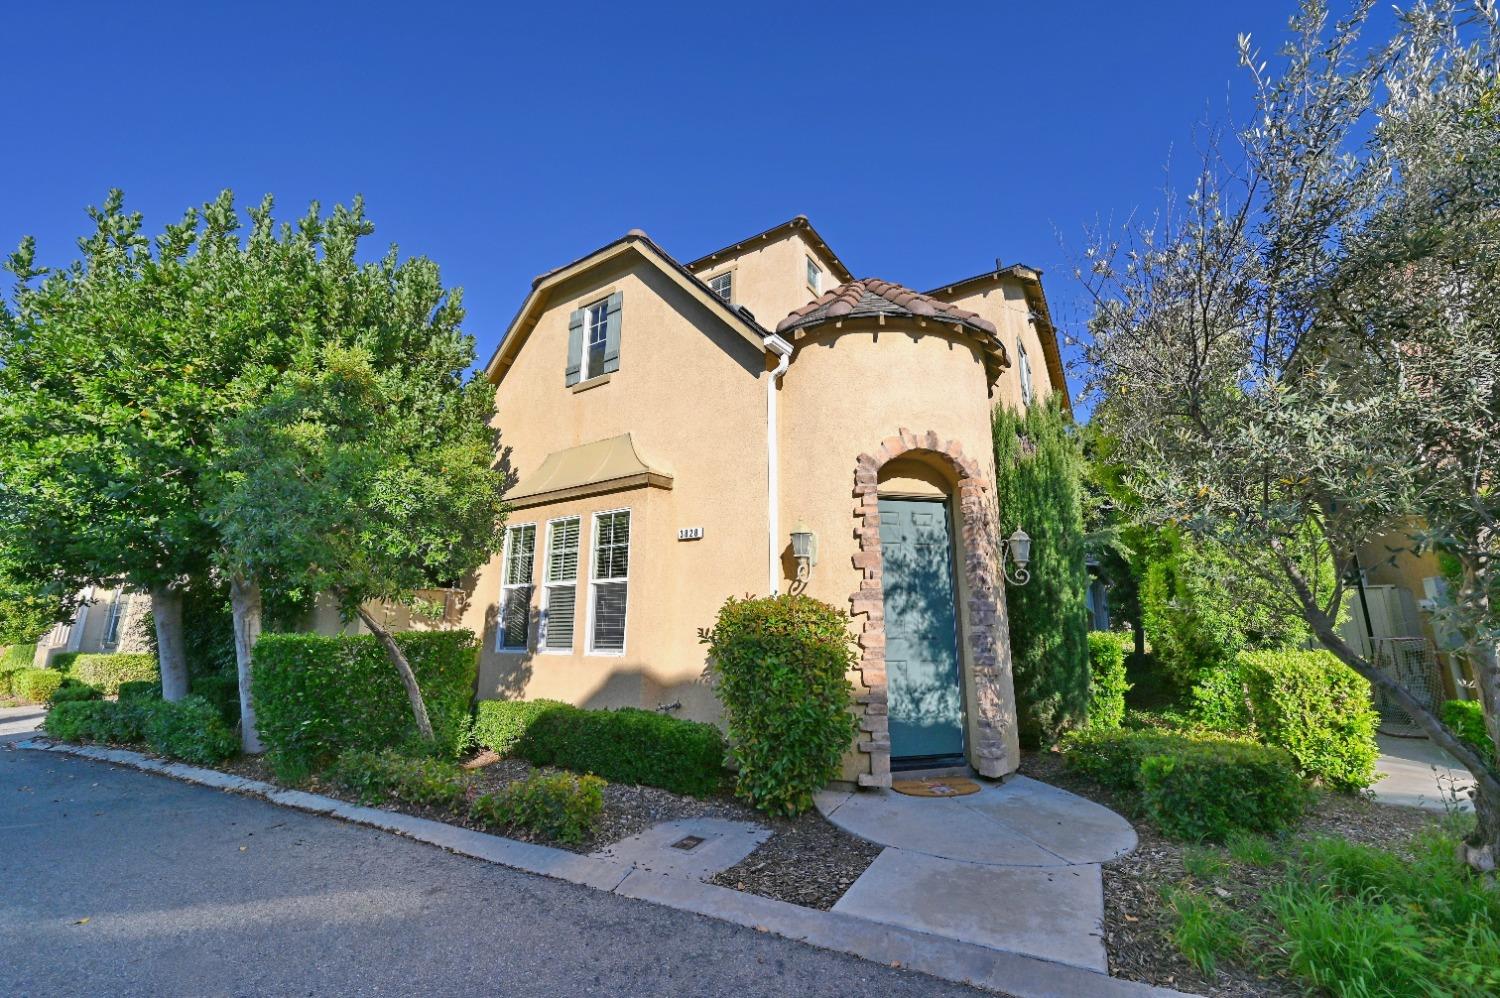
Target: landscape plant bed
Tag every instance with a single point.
(1138, 918)
(807, 860)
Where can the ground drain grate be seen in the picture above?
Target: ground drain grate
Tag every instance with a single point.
(688, 842)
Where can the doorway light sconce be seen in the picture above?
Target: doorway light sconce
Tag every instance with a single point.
(1016, 549)
(804, 550)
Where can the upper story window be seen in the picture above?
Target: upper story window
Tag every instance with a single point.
(1023, 368)
(594, 339)
(814, 276)
(722, 285)
(514, 630)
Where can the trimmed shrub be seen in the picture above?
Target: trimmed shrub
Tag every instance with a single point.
(1204, 790)
(72, 689)
(1038, 484)
(1113, 758)
(317, 696)
(221, 690)
(139, 689)
(1466, 718)
(35, 685)
(375, 777)
(627, 745)
(564, 807)
(499, 724)
(1108, 685)
(782, 667)
(96, 721)
(63, 661)
(108, 671)
(1219, 700)
(1318, 709)
(189, 729)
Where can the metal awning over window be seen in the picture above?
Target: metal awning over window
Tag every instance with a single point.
(588, 469)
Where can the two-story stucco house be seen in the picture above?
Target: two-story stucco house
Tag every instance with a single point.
(672, 425)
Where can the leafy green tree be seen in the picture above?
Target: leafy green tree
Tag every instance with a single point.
(369, 472)
(1039, 466)
(28, 610)
(1307, 342)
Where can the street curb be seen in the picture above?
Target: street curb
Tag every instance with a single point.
(936, 956)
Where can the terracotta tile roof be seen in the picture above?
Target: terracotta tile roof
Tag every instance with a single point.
(872, 296)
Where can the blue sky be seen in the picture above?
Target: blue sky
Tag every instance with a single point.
(923, 140)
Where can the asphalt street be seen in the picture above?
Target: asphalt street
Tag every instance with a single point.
(115, 882)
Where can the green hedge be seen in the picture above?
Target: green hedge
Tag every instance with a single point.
(189, 729)
(72, 689)
(782, 664)
(1108, 685)
(317, 696)
(1318, 709)
(375, 777)
(35, 685)
(627, 745)
(17, 657)
(1466, 718)
(1220, 702)
(108, 671)
(63, 661)
(1197, 788)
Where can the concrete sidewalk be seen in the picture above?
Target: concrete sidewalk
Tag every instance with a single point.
(1416, 773)
(1014, 867)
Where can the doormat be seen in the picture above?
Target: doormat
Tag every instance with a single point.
(955, 786)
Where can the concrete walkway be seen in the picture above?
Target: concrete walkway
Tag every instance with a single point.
(1416, 773)
(19, 722)
(1014, 867)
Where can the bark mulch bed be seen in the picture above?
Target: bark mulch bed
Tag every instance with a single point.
(807, 861)
(1138, 922)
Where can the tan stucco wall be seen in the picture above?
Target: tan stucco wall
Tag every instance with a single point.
(87, 634)
(770, 277)
(691, 392)
(847, 391)
(1003, 302)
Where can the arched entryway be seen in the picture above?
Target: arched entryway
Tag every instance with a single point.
(976, 716)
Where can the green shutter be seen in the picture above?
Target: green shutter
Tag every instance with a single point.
(612, 333)
(575, 347)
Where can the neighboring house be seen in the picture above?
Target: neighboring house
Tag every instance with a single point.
(108, 620)
(671, 425)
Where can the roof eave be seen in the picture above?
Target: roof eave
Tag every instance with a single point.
(707, 260)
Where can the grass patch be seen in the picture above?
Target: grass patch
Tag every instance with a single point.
(1204, 930)
(1204, 864)
(1251, 850)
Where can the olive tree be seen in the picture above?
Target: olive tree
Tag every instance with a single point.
(1306, 342)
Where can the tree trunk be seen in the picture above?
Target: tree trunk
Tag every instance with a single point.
(244, 601)
(1138, 631)
(171, 653)
(403, 667)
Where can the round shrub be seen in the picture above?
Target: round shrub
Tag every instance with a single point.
(189, 729)
(499, 724)
(1219, 700)
(71, 689)
(96, 721)
(1203, 791)
(108, 671)
(1318, 709)
(628, 745)
(36, 685)
(139, 689)
(782, 665)
(564, 807)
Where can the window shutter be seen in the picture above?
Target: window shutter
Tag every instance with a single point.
(612, 333)
(575, 347)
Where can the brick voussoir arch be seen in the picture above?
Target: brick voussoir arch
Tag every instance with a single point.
(984, 628)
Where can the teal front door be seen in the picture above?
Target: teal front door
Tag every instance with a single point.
(921, 633)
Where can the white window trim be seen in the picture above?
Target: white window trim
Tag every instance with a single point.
(587, 375)
(500, 645)
(729, 274)
(112, 620)
(1023, 372)
(816, 272)
(541, 638)
(588, 638)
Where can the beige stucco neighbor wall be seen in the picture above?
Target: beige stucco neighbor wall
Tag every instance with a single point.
(770, 277)
(86, 633)
(854, 399)
(1003, 302)
(691, 392)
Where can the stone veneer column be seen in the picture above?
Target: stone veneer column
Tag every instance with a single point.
(994, 751)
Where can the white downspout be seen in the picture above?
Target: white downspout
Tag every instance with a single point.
(783, 349)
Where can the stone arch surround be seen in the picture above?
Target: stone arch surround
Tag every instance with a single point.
(991, 720)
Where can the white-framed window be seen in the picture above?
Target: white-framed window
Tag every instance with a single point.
(609, 582)
(112, 621)
(723, 285)
(560, 587)
(513, 630)
(595, 331)
(1023, 367)
(814, 276)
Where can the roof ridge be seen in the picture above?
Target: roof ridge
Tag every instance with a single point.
(846, 300)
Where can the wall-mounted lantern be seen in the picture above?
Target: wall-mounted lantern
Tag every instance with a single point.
(1016, 549)
(804, 550)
